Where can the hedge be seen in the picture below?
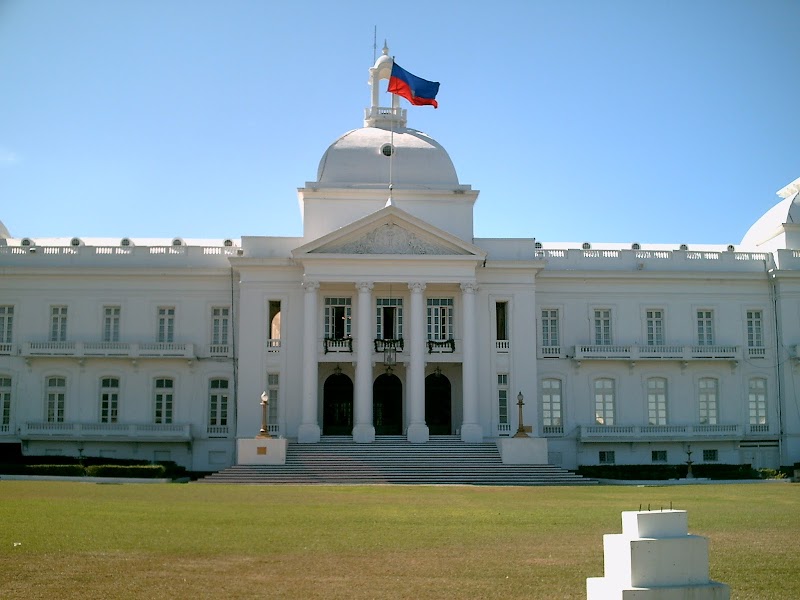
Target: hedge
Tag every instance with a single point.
(135, 471)
(661, 472)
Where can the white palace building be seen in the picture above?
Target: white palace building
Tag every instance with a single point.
(388, 317)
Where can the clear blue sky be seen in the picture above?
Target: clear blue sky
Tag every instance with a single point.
(603, 121)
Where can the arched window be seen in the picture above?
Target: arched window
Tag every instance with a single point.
(109, 399)
(218, 404)
(551, 405)
(163, 400)
(657, 401)
(604, 401)
(757, 400)
(55, 399)
(708, 400)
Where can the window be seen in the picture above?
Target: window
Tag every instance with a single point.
(109, 399)
(604, 401)
(602, 327)
(501, 316)
(274, 319)
(273, 393)
(337, 318)
(658, 456)
(166, 324)
(58, 323)
(6, 324)
(757, 398)
(5, 403)
(389, 318)
(657, 401)
(707, 395)
(218, 402)
(502, 398)
(755, 330)
(710, 455)
(705, 328)
(550, 337)
(56, 395)
(111, 316)
(606, 457)
(440, 319)
(551, 403)
(655, 327)
(220, 318)
(162, 413)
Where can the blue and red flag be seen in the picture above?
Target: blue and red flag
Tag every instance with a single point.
(416, 90)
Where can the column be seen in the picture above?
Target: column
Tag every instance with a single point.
(415, 378)
(471, 430)
(363, 426)
(309, 432)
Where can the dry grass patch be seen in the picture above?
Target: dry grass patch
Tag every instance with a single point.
(199, 541)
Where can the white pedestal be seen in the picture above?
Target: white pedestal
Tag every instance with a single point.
(308, 434)
(655, 558)
(523, 451)
(363, 434)
(261, 451)
(471, 433)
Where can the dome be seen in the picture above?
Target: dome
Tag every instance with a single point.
(4, 232)
(362, 158)
(771, 224)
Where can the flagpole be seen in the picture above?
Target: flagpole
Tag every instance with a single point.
(391, 146)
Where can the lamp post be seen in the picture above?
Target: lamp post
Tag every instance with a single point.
(264, 433)
(521, 429)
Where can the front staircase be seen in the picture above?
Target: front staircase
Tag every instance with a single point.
(444, 460)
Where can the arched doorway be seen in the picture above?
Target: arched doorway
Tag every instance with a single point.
(387, 405)
(337, 405)
(438, 411)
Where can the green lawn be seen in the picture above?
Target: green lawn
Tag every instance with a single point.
(80, 540)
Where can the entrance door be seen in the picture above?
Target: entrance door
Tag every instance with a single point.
(387, 405)
(438, 413)
(337, 405)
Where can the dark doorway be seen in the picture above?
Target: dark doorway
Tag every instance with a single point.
(337, 405)
(387, 405)
(438, 412)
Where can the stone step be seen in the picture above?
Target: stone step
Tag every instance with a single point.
(444, 460)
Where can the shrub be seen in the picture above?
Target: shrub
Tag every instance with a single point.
(134, 471)
(50, 470)
(657, 472)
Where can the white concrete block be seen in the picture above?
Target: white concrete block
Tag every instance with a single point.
(523, 451)
(599, 588)
(261, 451)
(655, 524)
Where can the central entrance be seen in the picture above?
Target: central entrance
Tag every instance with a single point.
(337, 405)
(438, 410)
(387, 405)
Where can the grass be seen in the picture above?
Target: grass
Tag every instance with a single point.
(80, 540)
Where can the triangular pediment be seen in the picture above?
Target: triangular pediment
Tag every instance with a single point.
(390, 231)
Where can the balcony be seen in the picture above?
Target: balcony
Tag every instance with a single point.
(396, 344)
(441, 346)
(502, 346)
(219, 350)
(7, 349)
(634, 353)
(661, 433)
(111, 432)
(107, 350)
(273, 345)
(337, 345)
(550, 352)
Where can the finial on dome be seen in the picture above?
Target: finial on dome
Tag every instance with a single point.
(385, 48)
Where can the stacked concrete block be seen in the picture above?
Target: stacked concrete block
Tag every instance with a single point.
(655, 558)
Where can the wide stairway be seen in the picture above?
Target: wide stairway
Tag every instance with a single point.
(444, 460)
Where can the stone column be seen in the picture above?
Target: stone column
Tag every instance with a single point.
(309, 431)
(471, 430)
(415, 378)
(363, 426)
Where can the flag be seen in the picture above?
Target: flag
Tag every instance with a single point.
(416, 90)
